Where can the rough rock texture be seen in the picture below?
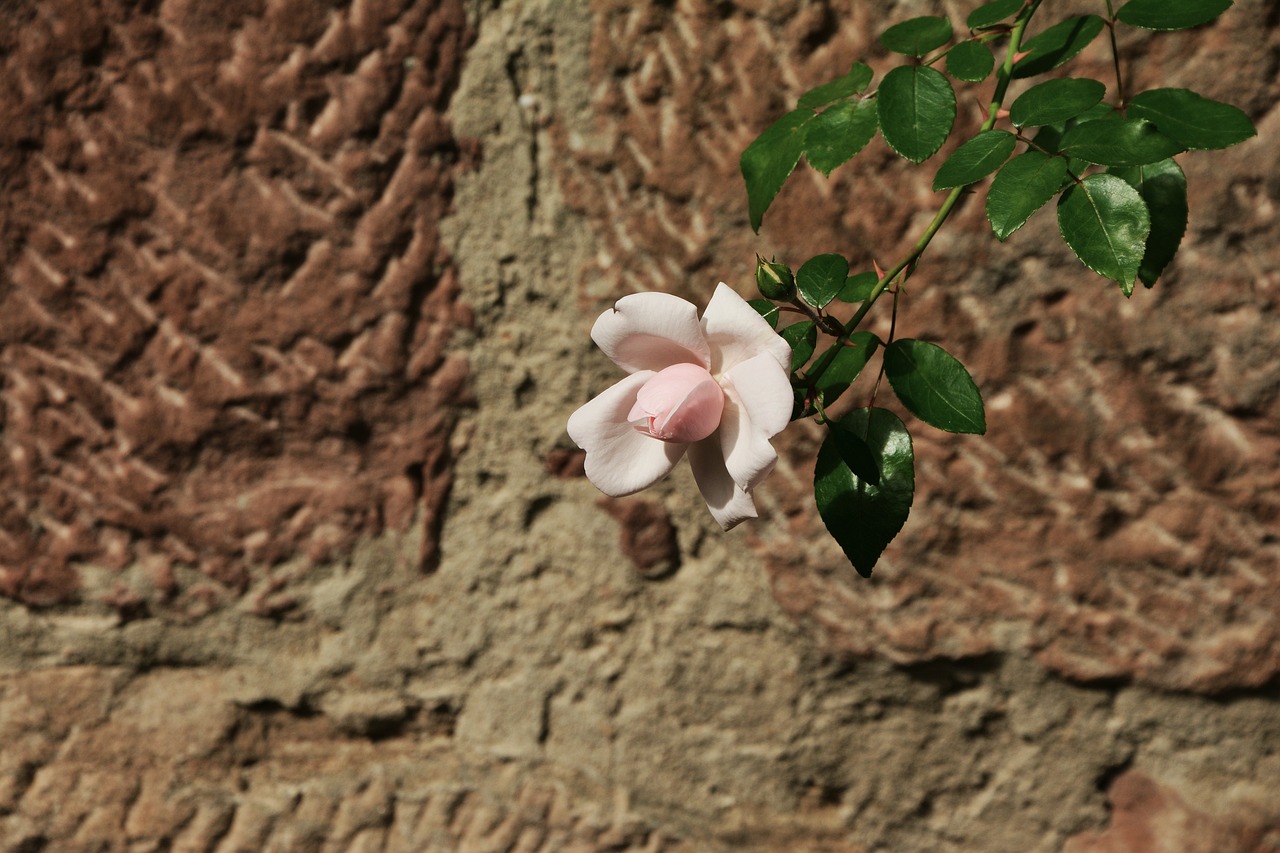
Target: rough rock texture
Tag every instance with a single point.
(1072, 647)
(225, 322)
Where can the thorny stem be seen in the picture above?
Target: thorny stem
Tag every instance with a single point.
(1115, 54)
(905, 267)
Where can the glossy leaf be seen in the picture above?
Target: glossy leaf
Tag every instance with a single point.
(820, 278)
(970, 61)
(976, 159)
(934, 386)
(769, 160)
(993, 13)
(1163, 188)
(917, 36)
(862, 517)
(853, 83)
(802, 337)
(854, 452)
(1021, 188)
(917, 108)
(839, 133)
(1118, 142)
(1191, 120)
(765, 309)
(847, 365)
(1055, 101)
(1171, 14)
(1051, 48)
(1105, 222)
(857, 288)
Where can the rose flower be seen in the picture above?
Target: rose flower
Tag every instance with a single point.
(718, 388)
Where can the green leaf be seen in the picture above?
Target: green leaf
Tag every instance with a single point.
(853, 83)
(917, 108)
(864, 518)
(820, 278)
(849, 360)
(839, 133)
(802, 337)
(976, 159)
(857, 288)
(993, 13)
(1022, 187)
(1171, 14)
(1106, 223)
(934, 386)
(1163, 188)
(1191, 120)
(970, 61)
(769, 160)
(1055, 101)
(917, 36)
(766, 309)
(1056, 45)
(854, 452)
(1117, 142)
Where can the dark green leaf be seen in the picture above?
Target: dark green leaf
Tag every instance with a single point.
(1163, 187)
(854, 82)
(1117, 142)
(848, 363)
(970, 61)
(855, 452)
(769, 160)
(1022, 187)
(1171, 14)
(863, 518)
(934, 386)
(976, 159)
(1055, 101)
(1106, 223)
(917, 36)
(1056, 45)
(802, 338)
(839, 133)
(917, 108)
(857, 288)
(766, 309)
(993, 13)
(821, 278)
(1192, 121)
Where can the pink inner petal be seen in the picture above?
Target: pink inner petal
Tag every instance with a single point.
(682, 403)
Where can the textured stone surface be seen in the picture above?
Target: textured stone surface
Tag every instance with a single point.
(1119, 518)
(1027, 672)
(224, 337)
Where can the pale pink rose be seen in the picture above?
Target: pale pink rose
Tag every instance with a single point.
(718, 388)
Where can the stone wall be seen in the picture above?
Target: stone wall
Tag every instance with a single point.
(296, 555)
